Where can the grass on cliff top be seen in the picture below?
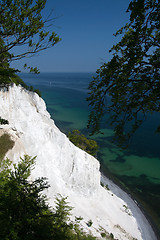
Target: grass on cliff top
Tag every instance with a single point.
(6, 144)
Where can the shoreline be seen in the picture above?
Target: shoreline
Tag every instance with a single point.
(147, 229)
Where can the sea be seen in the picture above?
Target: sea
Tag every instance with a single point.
(137, 168)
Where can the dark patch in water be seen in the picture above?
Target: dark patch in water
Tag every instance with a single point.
(52, 111)
(64, 126)
(118, 159)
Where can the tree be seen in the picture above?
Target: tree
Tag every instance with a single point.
(61, 224)
(24, 211)
(22, 25)
(128, 86)
(23, 33)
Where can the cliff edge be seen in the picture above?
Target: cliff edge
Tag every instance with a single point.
(69, 170)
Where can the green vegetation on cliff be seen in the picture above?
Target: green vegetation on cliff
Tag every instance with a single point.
(24, 211)
(88, 145)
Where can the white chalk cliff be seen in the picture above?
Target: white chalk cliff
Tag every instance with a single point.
(69, 170)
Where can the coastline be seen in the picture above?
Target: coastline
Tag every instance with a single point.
(75, 173)
(132, 197)
(144, 225)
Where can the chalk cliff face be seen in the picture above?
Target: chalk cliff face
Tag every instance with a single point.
(69, 170)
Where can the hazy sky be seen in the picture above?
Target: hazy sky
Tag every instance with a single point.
(86, 28)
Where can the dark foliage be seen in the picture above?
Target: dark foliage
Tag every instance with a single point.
(88, 145)
(24, 211)
(128, 86)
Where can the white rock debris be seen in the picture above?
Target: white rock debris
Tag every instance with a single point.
(69, 170)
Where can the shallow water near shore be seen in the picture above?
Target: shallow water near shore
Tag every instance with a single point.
(138, 167)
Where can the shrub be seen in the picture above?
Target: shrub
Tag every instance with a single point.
(89, 223)
(8, 77)
(88, 145)
(3, 121)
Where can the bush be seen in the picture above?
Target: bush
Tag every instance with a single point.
(3, 121)
(88, 145)
(17, 80)
(8, 76)
(89, 223)
(5, 75)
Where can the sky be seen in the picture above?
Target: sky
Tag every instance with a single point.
(86, 28)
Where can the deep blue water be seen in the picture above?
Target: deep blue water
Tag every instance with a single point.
(138, 167)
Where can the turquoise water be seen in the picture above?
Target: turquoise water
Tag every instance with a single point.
(138, 167)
